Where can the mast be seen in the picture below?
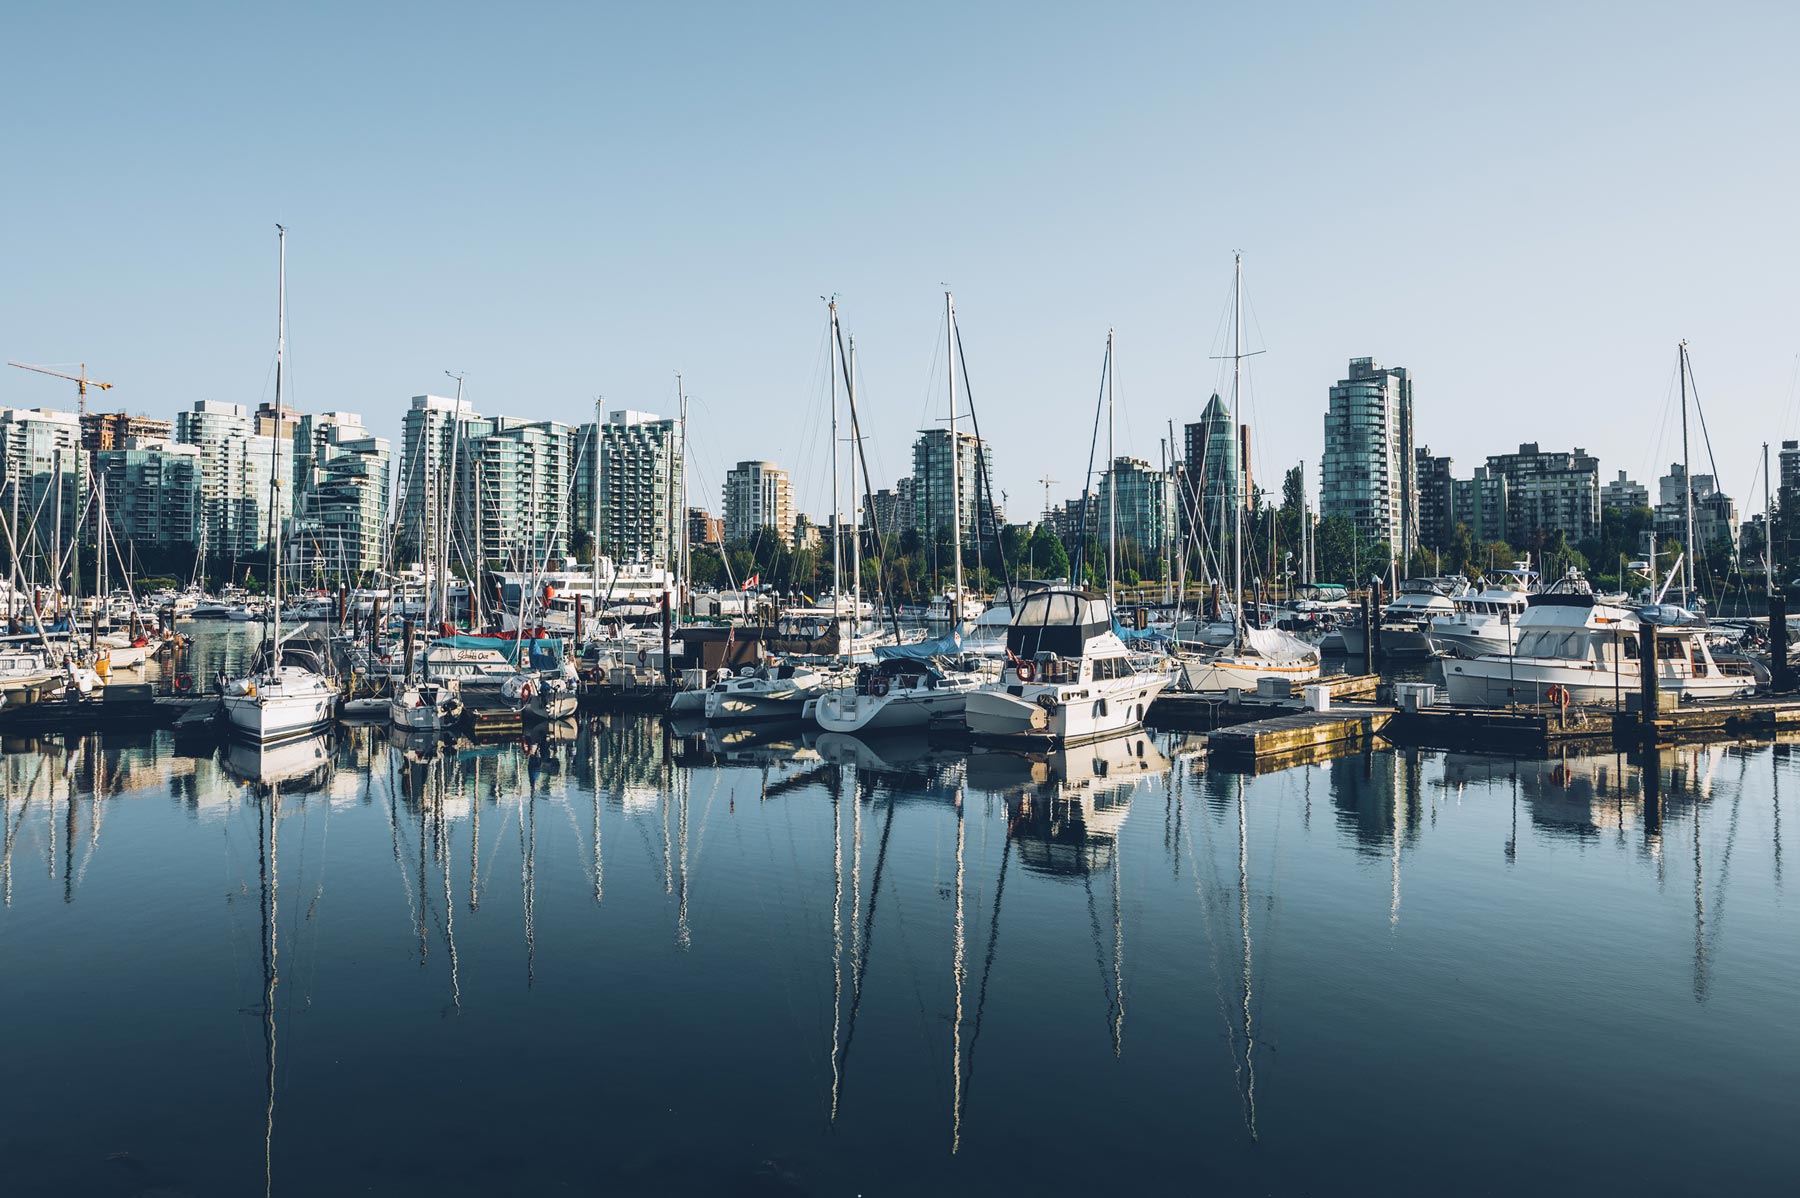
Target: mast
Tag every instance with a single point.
(855, 506)
(1687, 482)
(1237, 472)
(594, 547)
(1112, 490)
(682, 562)
(274, 458)
(956, 608)
(837, 524)
(449, 501)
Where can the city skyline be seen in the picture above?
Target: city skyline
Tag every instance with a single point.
(708, 205)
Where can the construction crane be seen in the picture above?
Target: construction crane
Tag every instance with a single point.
(82, 381)
(1047, 481)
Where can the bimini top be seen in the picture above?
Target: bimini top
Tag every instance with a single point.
(1059, 621)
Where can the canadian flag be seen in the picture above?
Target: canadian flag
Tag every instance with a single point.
(752, 580)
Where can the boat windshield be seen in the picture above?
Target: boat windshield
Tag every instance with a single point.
(1569, 643)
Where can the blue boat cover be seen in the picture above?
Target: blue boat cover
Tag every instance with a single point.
(938, 646)
(1132, 636)
(544, 653)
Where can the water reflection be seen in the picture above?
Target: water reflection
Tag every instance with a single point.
(968, 904)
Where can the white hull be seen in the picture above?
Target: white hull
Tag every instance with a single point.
(743, 707)
(1494, 682)
(1473, 640)
(274, 714)
(1062, 714)
(847, 711)
(552, 707)
(1395, 642)
(1216, 675)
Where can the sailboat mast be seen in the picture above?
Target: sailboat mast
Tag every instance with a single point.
(449, 504)
(837, 523)
(682, 563)
(956, 603)
(274, 455)
(1687, 482)
(1237, 472)
(1112, 490)
(855, 505)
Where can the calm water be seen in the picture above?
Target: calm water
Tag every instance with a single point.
(627, 962)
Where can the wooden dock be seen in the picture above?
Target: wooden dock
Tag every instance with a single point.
(1278, 741)
(1500, 729)
(1755, 718)
(1201, 713)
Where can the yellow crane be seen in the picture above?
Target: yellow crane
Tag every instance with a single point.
(82, 381)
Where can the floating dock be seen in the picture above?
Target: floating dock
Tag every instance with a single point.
(488, 713)
(1280, 741)
(1200, 713)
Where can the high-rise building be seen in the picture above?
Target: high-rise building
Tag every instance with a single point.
(1437, 509)
(1549, 491)
(933, 475)
(1479, 504)
(1212, 452)
(427, 431)
(1790, 467)
(153, 491)
(1621, 494)
(641, 494)
(882, 511)
(342, 476)
(40, 450)
(758, 498)
(120, 430)
(1146, 506)
(1367, 475)
(273, 421)
(514, 498)
(236, 519)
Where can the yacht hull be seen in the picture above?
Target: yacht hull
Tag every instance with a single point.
(1497, 681)
(847, 711)
(272, 717)
(1061, 714)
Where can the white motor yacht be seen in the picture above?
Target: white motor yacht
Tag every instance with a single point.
(1591, 650)
(898, 692)
(1068, 678)
(1406, 623)
(776, 691)
(1486, 621)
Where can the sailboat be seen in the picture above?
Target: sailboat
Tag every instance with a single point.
(908, 685)
(1069, 678)
(286, 694)
(1254, 653)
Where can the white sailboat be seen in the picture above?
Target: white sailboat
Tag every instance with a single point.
(286, 694)
(1253, 653)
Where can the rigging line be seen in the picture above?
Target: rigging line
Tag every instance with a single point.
(987, 969)
(983, 484)
(1075, 569)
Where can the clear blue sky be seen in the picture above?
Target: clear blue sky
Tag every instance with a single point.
(1526, 205)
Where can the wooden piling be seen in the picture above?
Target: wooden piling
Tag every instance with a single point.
(1781, 676)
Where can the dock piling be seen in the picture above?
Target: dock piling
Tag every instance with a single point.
(1781, 677)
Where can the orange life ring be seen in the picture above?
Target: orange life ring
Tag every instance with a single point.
(1025, 670)
(1558, 695)
(184, 682)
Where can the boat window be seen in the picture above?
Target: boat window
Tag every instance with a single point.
(1553, 642)
(1669, 648)
(1631, 648)
(1062, 609)
(1036, 610)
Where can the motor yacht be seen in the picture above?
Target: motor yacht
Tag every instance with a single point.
(774, 691)
(1406, 623)
(1068, 677)
(1591, 650)
(1486, 621)
(899, 690)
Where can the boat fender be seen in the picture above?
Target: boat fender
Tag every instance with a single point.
(184, 683)
(1025, 670)
(525, 692)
